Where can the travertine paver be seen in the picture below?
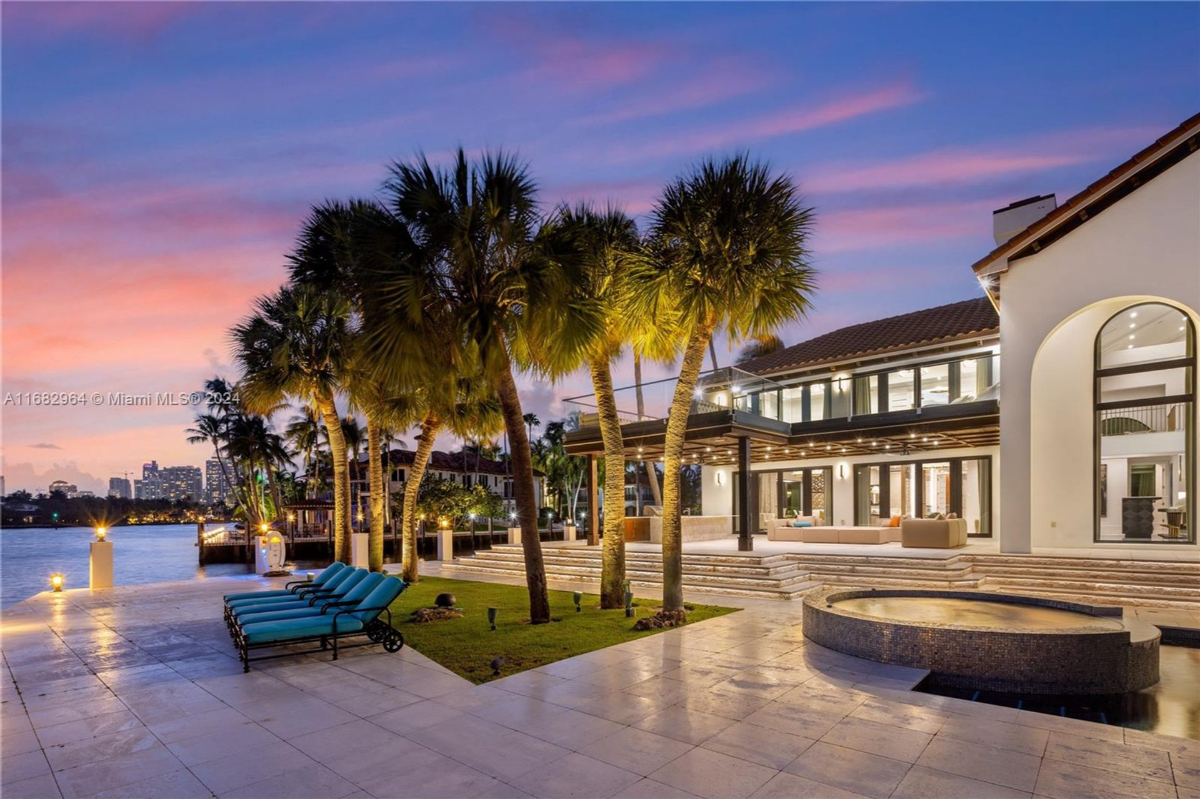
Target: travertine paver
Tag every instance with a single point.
(136, 692)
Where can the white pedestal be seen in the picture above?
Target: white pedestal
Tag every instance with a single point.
(445, 545)
(260, 555)
(570, 532)
(360, 550)
(100, 565)
(514, 535)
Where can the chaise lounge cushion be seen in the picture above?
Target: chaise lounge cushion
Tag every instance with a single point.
(358, 594)
(326, 574)
(243, 606)
(288, 629)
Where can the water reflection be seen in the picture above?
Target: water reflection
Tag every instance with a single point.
(973, 613)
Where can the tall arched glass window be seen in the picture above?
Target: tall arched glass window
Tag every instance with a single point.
(1145, 398)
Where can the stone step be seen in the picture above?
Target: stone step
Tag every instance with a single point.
(553, 558)
(1178, 579)
(1131, 590)
(1102, 598)
(1033, 562)
(732, 559)
(887, 571)
(633, 569)
(733, 580)
(653, 580)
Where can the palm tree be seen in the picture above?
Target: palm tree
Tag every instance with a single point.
(761, 345)
(502, 279)
(293, 346)
(304, 433)
(651, 471)
(729, 249)
(531, 421)
(606, 239)
(211, 429)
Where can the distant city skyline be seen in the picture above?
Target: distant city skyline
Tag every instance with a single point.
(159, 157)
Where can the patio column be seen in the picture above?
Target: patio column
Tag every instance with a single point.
(593, 493)
(747, 513)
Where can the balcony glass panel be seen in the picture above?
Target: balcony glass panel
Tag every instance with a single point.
(935, 385)
(866, 395)
(818, 397)
(901, 396)
(793, 404)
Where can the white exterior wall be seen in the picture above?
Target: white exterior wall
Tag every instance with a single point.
(718, 500)
(1144, 248)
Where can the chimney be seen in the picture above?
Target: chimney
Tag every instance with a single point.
(1008, 222)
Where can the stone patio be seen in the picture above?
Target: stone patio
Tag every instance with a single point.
(135, 692)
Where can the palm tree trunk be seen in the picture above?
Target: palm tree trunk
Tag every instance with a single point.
(341, 476)
(526, 498)
(651, 472)
(412, 488)
(672, 539)
(712, 350)
(375, 477)
(612, 571)
(276, 497)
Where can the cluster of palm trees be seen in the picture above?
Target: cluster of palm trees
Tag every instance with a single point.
(420, 309)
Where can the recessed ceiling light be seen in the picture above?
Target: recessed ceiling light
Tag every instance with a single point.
(1132, 325)
(1133, 315)
(1132, 336)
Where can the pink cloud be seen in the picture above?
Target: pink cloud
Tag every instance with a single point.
(899, 225)
(138, 22)
(725, 80)
(790, 121)
(964, 165)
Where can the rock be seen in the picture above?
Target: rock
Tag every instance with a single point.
(445, 601)
(424, 615)
(661, 620)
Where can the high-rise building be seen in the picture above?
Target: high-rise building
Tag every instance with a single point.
(216, 487)
(150, 486)
(119, 487)
(70, 489)
(179, 482)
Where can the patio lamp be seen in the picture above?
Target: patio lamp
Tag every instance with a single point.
(491, 614)
(56, 582)
(578, 597)
(101, 533)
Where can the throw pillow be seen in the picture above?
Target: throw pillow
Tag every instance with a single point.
(895, 521)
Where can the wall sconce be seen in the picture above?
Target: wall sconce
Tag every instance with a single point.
(101, 533)
(841, 471)
(720, 477)
(56, 582)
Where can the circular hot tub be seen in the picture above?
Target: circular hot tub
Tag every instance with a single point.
(997, 642)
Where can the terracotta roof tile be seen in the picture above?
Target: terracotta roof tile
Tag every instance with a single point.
(944, 323)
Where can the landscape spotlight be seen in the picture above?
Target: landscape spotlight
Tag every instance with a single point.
(492, 617)
(578, 597)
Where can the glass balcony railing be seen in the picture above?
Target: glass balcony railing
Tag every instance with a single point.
(844, 396)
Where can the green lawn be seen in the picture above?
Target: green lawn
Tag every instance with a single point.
(467, 646)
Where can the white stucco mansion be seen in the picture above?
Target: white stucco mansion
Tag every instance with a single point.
(1090, 313)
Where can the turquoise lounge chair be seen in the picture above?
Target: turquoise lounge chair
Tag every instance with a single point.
(292, 587)
(367, 618)
(337, 588)
(316, 606)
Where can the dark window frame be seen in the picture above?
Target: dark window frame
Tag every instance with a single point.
(955, 498)
(1188, 362)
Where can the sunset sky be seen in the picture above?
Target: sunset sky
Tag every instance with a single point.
(158, 157)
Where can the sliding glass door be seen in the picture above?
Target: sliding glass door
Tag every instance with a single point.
(922, 489)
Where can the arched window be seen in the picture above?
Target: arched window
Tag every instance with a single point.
(1145, 397)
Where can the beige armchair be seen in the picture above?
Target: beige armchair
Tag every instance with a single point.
(933, 533)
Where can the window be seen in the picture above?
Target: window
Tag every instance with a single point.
(866, 395)
(1145, 416)
(935, 385)
(793, 404)
(921, 489)
(901, 390)
(818, 402)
